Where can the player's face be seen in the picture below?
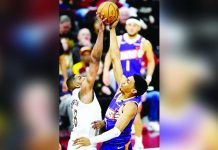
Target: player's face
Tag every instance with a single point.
(127, 85)
(84, 34)
(132, 29)
(78, 80)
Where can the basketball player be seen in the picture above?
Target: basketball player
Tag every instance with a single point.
(85, 106)
(123, 108)
(133, 47)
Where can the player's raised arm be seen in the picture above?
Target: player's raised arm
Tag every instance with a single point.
(95, 55)
(115, 54)
(107, 64)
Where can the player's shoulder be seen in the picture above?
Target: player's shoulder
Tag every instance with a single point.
(144, 40)
(130, 108)
(76, 91)
(117, 93)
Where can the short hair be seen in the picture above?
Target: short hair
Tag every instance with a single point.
(70, 80)
(64, 18)
(140, 85)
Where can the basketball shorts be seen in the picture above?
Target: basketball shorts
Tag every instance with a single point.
(106, 146)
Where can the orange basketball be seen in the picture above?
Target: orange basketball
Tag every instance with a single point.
(110, 11)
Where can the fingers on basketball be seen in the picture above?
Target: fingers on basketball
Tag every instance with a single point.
(110, 11)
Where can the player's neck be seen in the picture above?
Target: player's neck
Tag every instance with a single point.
(126, 95)
(132, 36)
(73, 88)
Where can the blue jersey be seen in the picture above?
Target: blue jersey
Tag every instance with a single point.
(112, 115)
(131, 56)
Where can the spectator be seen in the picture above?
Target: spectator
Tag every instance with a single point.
(84, 3)
(65, 26)
(119, 5)
(80, 67)
(124, 15)
(65, 64)
(84, 39)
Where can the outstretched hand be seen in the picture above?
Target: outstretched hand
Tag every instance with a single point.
(113, 26)
(101, 20)
(81, 142)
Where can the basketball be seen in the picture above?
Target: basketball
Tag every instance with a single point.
(110, 11)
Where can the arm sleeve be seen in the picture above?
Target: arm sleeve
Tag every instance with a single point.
(113, 133)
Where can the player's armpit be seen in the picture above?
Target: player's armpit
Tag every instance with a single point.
(129, 112)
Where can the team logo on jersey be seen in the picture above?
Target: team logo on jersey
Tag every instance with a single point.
(131, 54)
(111, 113)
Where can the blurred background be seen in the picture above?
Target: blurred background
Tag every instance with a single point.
(188, 75)
(29, 75)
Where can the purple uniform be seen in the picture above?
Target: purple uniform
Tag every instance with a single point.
(111, 117)
(131, 56)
